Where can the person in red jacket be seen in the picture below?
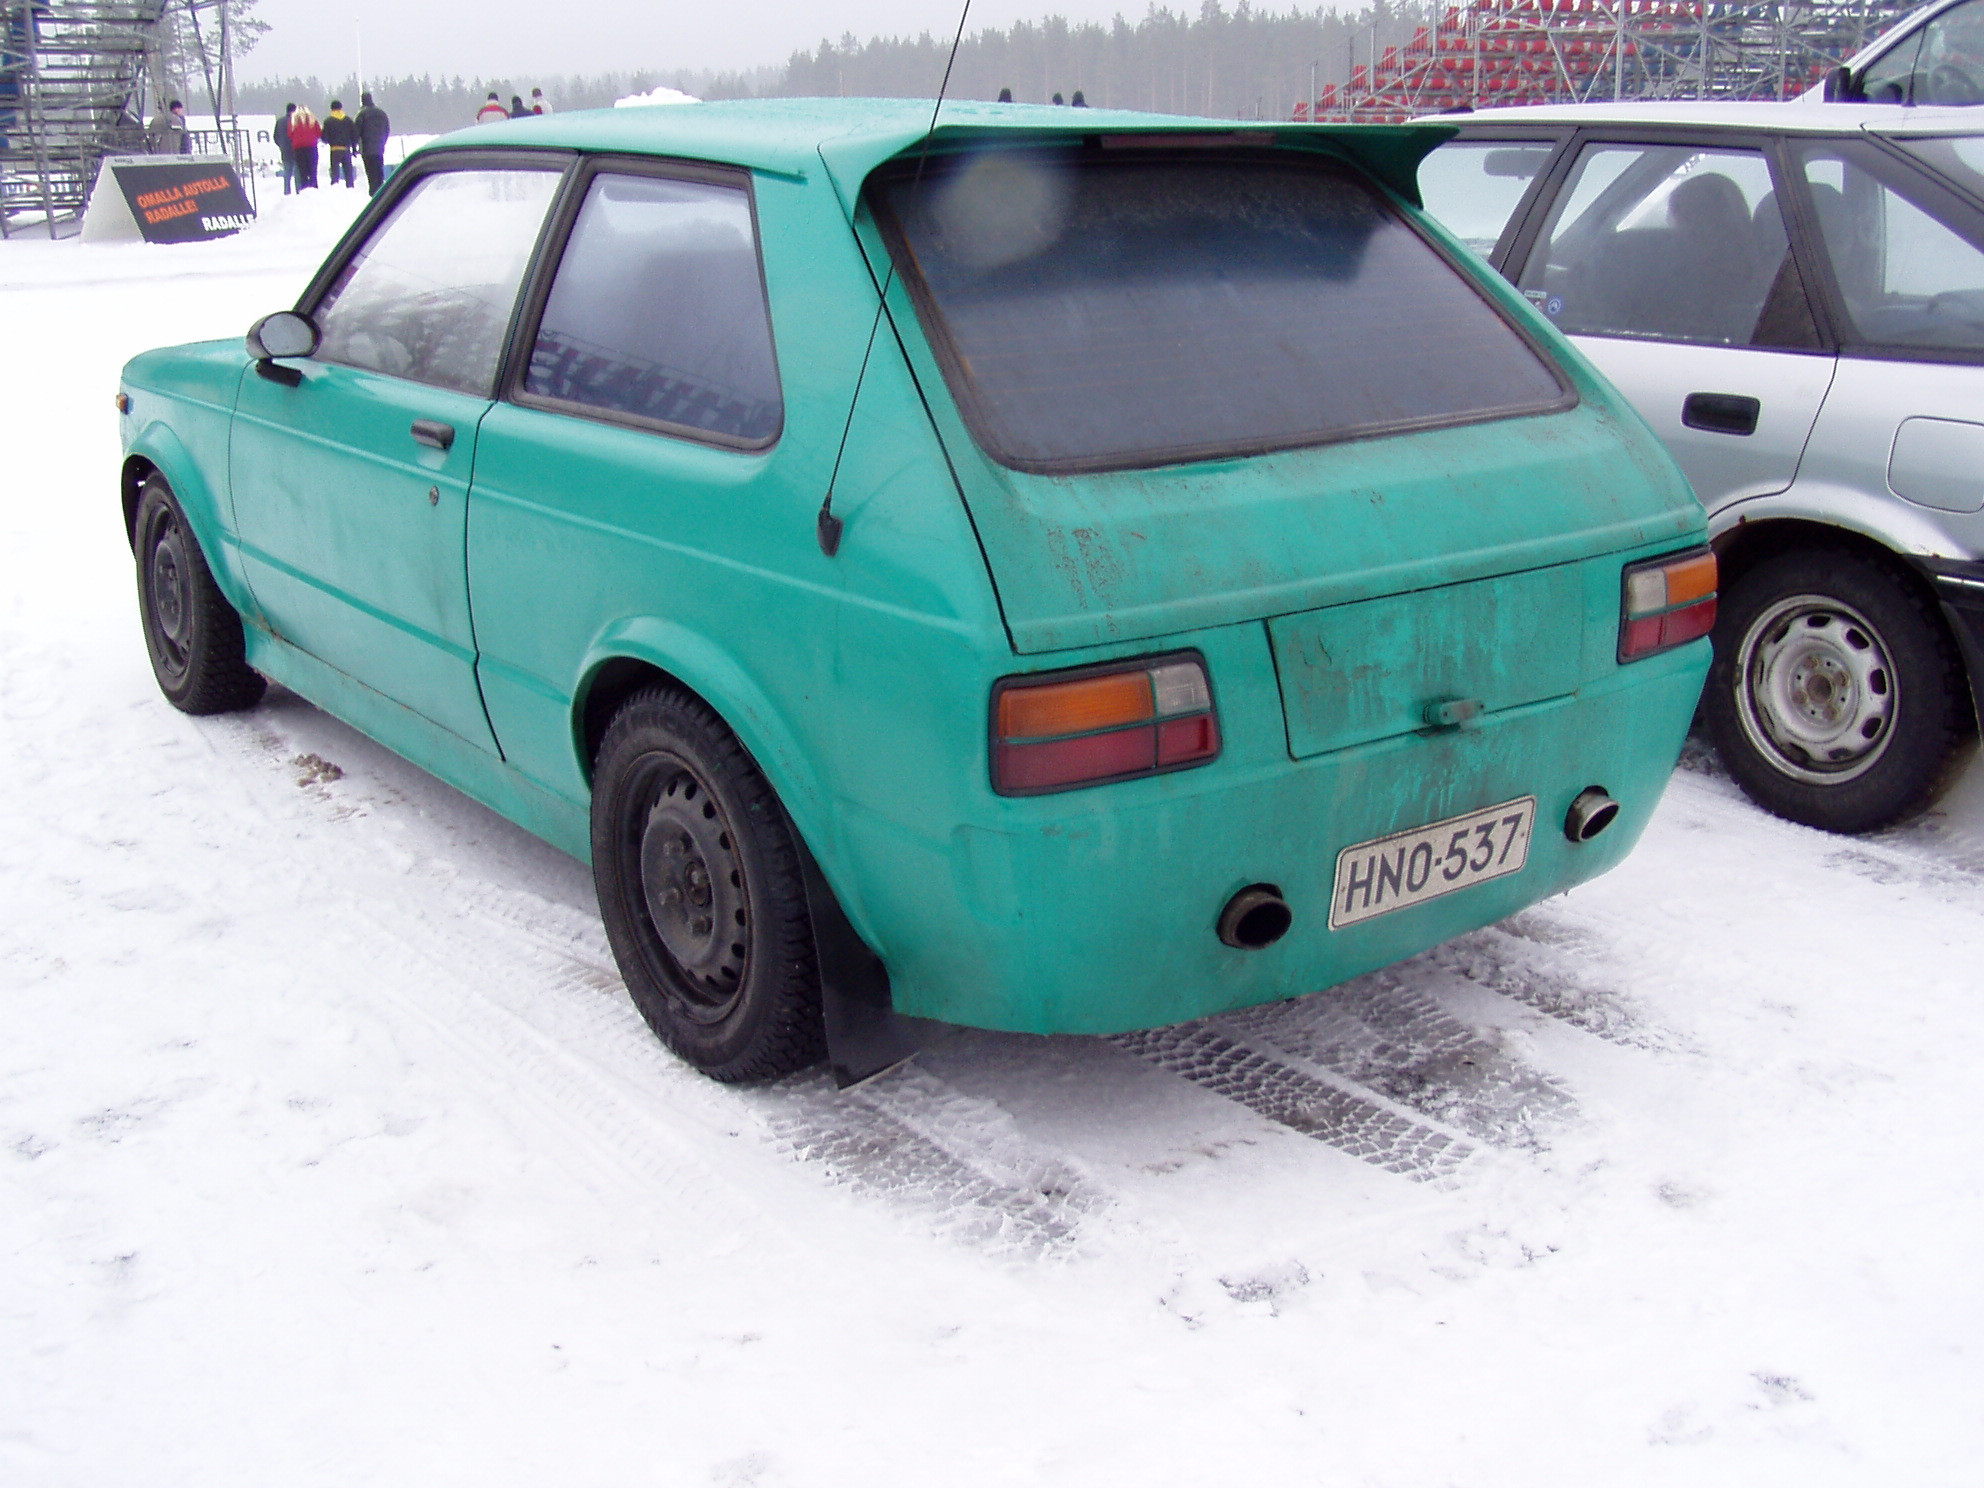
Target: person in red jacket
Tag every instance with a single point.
(492, 112)
(304, 132)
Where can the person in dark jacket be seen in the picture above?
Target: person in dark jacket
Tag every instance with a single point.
(517, 109)
(285, 151)
(166, 135)
(304, 132)
(341, 138)
(374, 129)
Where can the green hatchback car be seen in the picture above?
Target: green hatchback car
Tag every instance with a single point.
(1062, 571)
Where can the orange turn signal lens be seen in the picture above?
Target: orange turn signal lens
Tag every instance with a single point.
(1079, 707)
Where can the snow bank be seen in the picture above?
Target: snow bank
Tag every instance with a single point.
(655, 96)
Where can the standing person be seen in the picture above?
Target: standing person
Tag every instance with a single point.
(166, 134)
(492, 112)
(285, 151)
(539, 104)
(517, 109)
(374, 129)
(304, 132)
(340, 138)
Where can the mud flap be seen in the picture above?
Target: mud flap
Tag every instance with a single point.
(866, 1036)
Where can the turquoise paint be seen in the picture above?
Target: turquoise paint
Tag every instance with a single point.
(861, 683)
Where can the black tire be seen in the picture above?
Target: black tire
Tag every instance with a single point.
(1836, 698)
(192, 633)
(702, 893)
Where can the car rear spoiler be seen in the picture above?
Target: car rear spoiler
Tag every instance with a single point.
(1390, 153)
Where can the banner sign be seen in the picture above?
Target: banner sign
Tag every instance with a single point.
(176, 199)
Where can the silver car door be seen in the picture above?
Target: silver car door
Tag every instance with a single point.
(1904, 422)
(1666, 261)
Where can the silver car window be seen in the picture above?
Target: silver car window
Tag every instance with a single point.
(1908, 279)
(1475, 186)
(429, 295)
(1668, 242)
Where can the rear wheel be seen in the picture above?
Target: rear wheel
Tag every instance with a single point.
(1836, 698)
(192, 633)
(701, 891)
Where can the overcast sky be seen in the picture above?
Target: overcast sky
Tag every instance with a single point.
(524, 38)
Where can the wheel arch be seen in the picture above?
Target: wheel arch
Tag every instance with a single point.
(158, 451)
(641, 653)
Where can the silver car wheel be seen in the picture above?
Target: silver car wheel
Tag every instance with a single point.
(1818, 693)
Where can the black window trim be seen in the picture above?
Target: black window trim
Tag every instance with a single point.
(560, 222)
(1799, 230)
(1884, 164)
(402, 181)
(964, 393)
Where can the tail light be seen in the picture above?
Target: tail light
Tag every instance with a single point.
(1113, 722)
(1666, 602)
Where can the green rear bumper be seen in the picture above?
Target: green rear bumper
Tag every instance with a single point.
(1097, 915)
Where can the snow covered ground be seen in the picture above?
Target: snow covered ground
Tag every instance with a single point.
(331, 1151)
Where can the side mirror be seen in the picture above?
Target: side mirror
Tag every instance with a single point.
(284, 334)
(1839, 86)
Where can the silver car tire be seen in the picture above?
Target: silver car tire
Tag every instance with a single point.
(1836, 698)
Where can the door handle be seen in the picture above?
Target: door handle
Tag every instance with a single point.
(436, 436)
(1721, 413)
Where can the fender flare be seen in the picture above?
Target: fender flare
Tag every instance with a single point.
(157, 446)
(1903, 530)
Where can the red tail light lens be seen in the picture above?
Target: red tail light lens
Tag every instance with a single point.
(1101, 723)
(1666, 602)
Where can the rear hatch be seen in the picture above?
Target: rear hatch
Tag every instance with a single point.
(1193, 386)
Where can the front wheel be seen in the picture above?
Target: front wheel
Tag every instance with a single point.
(1836, 698)
(192, 633)
(701, 890)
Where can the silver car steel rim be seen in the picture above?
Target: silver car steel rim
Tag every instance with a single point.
(1818, 694)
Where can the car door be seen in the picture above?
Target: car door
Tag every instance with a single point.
(1904, 270)
(1666, 259)
(1476, 185)
(350, 484)
(629, 471)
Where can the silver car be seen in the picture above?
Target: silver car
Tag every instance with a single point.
(1933, 58)
(1793, 296)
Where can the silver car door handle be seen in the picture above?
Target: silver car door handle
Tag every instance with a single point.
(437, 436)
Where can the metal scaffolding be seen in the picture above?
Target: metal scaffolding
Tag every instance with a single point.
(1490, 53)
(75, 80)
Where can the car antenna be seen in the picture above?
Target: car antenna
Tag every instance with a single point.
(829, 526)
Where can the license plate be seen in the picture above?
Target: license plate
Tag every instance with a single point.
(1407, 868)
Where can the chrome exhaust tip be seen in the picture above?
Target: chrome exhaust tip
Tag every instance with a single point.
(1255, 918)
(1591, 813)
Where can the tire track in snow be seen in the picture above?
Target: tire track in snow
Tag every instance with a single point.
(1214, 1057)
(1543, 964)
(1399, 1042)
(556, 1020)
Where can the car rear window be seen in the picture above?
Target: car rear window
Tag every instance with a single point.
(1101, 309)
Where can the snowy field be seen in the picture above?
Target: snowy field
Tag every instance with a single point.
(331, 1151)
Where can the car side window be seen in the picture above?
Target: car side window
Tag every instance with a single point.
(430, 294)
(658, 312)
(1671, 243)
(1909, 279)
(1475, 186)
(1942, 63)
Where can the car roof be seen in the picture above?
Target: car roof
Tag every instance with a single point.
(1794, 117)
(793, 136)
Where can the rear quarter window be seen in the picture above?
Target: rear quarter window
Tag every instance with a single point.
(1098, 309)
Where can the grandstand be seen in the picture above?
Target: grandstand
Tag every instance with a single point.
(1493, 53)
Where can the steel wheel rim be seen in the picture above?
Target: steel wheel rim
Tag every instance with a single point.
(1816, 692)
(689, 889)
(168, 591)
